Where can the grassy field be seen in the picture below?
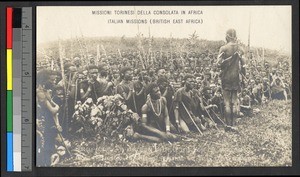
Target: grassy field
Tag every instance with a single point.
(263, 140)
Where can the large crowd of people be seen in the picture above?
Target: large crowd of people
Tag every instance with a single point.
(170, 93)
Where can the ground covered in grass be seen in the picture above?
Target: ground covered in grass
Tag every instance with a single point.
(265, 139)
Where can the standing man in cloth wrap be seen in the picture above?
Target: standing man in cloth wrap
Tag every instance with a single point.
(231, 63)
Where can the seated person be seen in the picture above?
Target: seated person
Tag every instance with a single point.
(185, 107)
(155, 121)
(278, 89)
(245, 103)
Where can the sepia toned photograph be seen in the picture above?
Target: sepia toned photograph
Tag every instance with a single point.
(164, 86)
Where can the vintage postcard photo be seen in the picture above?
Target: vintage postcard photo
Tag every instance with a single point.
(164, 86)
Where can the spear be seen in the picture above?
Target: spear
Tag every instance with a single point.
(171, 46)
(161, 53)
(81, 47)
(72, 51)
(249, 37)
(98, 54)
(65, 113)
(104, 50)
(215, 125)
(52, 64)
(62, 139)
(191, 118)
(151, 59)
(119, 53)
(227, 127)
(144, 54)
(263, 55)
(142, 61)
(62, 65)
(161, 57)
(258, 56)
(85, 44)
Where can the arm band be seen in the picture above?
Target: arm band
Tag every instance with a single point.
(144, 115)
(168, 128)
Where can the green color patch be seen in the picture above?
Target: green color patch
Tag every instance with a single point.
(9, 111)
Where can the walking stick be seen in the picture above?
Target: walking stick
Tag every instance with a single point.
(133, 97)
(192, 118)
(76, 82)
(234, 129)
(66, 110)
(210, 117)
(60, 136)
(217, 116)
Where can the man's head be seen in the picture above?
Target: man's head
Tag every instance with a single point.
(103, 69)
(69, 68)
(92, 72)
(58, 76)
(231, 35)
(265, 80)
(187, 69)
(115, 71)
(160, 72)
(244, 92)
(202, 56)
(259, 79)
(247, 74)
(154, 91)
(136, 71)
(151, 72)
(189, 81)
(208, 92)
(213, 86)
(135, 79)
(207, 75)
(126, 73)
(162, 82)
(77, 61)
(277, 81)
(168, 74)
(46, 78)
(81, 76)
(59, 91)
(198, 80)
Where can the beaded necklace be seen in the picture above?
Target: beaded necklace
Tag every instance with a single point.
(157, 114)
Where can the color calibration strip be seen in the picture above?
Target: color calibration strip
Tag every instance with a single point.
(9, 91)
(19, 88)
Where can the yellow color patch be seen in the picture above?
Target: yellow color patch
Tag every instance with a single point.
(9, 68)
